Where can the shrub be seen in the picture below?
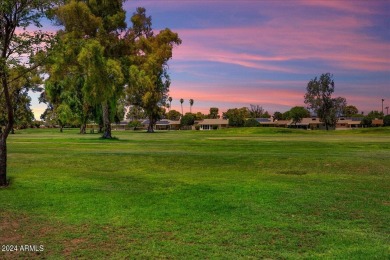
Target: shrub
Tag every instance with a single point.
(386, 120)
(197, 127)
(135, 124)
(215, 127)
(251, 123)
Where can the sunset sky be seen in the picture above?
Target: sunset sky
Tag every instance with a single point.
(237, 53)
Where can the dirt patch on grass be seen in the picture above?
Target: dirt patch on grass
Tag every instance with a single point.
(58, 239)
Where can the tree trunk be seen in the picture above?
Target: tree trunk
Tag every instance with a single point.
(83, 128)
(150, 126)
(3, 161)
(4, 134)
(61, 129)
(106, 121)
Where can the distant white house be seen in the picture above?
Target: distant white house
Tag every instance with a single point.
(210, 124)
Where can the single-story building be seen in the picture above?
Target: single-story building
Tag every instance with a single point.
(163, 124)
(377, 122)
(210, 124)
(347, 123)
(166, 124)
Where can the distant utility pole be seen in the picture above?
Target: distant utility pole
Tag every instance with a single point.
(382, 105)
(387, 112)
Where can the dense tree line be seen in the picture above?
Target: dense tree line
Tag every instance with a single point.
(100, 66)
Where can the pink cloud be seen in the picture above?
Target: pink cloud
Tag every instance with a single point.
(337, 41)
(230, 96)
(358, 7)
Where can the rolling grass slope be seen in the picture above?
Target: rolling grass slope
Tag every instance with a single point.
(233, 193)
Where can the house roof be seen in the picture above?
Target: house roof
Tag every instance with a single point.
(282, 122)
(263, 120)
(348, 121)
(310, 120)
(167, 122)
(218, 121)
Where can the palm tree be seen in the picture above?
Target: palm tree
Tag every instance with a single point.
(170, 101)
(181, 102)
(191, 104)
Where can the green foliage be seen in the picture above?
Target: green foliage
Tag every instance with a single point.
(78, 19)
(251, 122)
(135, 113)
(65, 115)
(278, 116)
(188, 119)
(265, 115)
(21, 102)
(135, 124)
(173, 115)
(148, 81)
(386, 120)
(286, 115)
(298, 113)
(102, 76)
(350, 111)
(237, 116)
(191, 104)
(319, 99)
(213, 113)
(86, 60)
(199, 116)
(375, 114)
(21, 53)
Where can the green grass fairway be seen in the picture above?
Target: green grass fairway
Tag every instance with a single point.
(231, 194)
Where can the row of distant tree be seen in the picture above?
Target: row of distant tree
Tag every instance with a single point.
(319, 102)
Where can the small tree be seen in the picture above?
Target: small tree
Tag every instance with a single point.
(237, 116)
(386, 120)
(256, 111)
(319, 99)
(173, 115)
(277, 116)
(251, 122)
(64, 116)
(135, 124)
(265, 115)
(298, 113)
(135, 113)
(213, 113)
(350, 111)
(187, 120)
(199, 116)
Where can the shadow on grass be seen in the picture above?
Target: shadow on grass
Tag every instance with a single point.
(292, 172)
